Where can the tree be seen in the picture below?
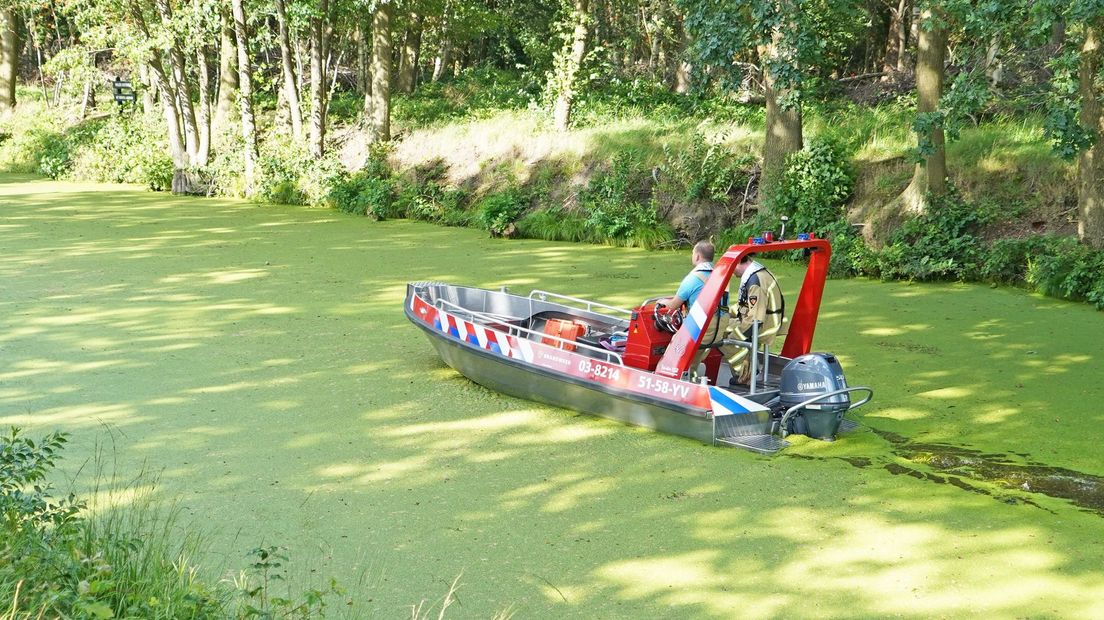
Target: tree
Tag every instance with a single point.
(9, 57)
(287, 64)
(245, 84)
(319, 92)
(1090, 163)
(377, 111)
(929, 178)
(568, 63)
(228, 71)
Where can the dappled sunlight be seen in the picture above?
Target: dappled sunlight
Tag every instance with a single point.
(264, 365)
(76, 416)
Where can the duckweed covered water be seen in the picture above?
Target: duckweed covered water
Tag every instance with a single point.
(258, 358)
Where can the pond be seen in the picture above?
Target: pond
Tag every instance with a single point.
(257, 358)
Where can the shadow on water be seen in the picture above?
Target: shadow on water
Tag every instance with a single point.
(964, 468)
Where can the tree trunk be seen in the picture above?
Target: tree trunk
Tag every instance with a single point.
(570, 68)
(783, 126)
(444, 49)
(684, 70)
(363, 47)
(893, 49)
(203, 122)
(1090, 165)
(245, 83)
(379, 113)
(408, 61)
(9, 59)
(904, 13)
(930, 176)
(291, 90)
(182, 85)
(994, 67)
(149, 89)
(228, 73)
(1057, 36)
(318, 80)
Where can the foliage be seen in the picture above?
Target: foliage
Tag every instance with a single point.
(702, 171)
(613, 205)
(289, 174)
(370, 191)
(498, 211)
(816, 186)
(257, 584)
(941, 243)
(57, 561)
(475, 93)
(554, 224)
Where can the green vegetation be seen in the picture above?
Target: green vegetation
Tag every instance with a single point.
(253, 355)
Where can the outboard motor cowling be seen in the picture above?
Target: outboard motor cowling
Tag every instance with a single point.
(807, 377)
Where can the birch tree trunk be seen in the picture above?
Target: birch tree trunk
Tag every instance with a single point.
(203, 122)
(930, 176)
(245, 84)
(570, 69)
(291, 89)
(444, 50)
(1090, 164)
(379, 114)
(9, 59)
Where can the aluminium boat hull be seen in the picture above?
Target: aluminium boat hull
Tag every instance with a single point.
(490, 356)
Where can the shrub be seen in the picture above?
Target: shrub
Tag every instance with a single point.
(62, 563)
(815, 187)
(941, 243)
(702, 171)
(554, 224)
(614, 209)
(498, 211)
(370, 191)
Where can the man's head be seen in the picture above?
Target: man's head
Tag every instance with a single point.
(742, 266)
(703, 252)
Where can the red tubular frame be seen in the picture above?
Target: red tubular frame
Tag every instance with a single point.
(802, 324)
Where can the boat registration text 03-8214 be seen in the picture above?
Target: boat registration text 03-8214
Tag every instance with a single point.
(598, 369)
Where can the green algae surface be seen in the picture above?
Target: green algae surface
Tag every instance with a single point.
(258, 358)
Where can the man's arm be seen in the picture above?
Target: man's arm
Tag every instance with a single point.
(671, 303)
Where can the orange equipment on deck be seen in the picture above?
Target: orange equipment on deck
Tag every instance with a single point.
(567, 330)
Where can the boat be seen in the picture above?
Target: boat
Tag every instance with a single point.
(633, 365)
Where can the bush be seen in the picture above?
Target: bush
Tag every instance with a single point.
(371, 191)
(941, 243)
(614, 209)
(57, 562)
(498, 211)
(815, 187)
(702, 171)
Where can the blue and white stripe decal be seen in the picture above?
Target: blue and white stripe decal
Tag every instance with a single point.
(695, 320)
(725, 403)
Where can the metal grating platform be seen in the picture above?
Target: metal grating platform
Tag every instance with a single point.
(763, 444)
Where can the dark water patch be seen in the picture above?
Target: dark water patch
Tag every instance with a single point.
(1086, 491)
(857, 461)
(911, 347)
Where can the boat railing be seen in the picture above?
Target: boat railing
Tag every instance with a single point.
(590, 305)
(517, 330)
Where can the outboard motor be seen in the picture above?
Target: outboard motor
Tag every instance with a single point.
(805, 378)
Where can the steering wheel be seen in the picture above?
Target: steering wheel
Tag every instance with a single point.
(667, 320)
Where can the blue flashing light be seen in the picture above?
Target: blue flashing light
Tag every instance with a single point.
(802, 236)
(758, 241)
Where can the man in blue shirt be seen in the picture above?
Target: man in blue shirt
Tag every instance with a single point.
(702, 259)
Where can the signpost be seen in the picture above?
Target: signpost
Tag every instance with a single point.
(124, 91)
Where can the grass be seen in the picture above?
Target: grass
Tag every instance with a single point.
(258, 356)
